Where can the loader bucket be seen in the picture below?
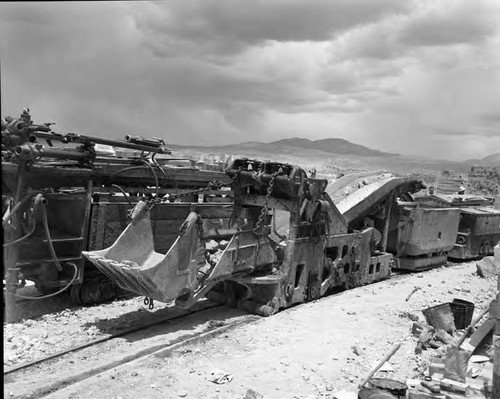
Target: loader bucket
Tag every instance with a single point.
(133, 264)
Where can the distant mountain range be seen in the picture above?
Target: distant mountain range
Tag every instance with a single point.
(490, 160)
(296, 145)
(334, 146)
(334, 154)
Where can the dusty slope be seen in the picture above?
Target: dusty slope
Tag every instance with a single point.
(304, 352)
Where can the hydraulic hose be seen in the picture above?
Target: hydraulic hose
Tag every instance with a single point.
(39, 200)
(154, 175)
(159, 166)
(49, 238)
(124, 193)
(140, 167)
(55, 293)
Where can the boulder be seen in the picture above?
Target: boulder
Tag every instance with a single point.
(487, 267)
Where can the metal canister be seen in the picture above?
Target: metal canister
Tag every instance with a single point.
(496, 366)
(374, 393)
(396, 388)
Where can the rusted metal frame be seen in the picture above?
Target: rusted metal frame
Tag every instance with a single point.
(100, 229)
(274, 203)
(12, 253)
(389, 206)
(85, 233)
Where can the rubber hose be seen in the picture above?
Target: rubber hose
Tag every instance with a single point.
(124, 193)
(154, 176)
(49, 239)
(55, 293)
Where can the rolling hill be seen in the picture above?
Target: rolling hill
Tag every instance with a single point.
(490, 160)
(326, 156)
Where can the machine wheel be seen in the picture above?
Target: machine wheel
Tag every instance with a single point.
(74, 294)
(90, 294)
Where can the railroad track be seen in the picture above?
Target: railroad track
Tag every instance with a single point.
(166, 334)
(96, 357)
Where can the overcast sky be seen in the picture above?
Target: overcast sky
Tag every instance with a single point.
(412, 77)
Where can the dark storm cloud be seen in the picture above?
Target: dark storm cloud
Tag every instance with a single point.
(492, 119)
(467, 22)
(227, 26)
(378, 72)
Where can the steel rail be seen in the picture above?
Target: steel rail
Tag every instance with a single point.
(104, 339)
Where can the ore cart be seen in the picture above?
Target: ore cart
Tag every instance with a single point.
(479, 227)
(59, 200)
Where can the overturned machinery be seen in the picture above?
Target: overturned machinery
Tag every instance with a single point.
(285, 243)
(61, 195)
(420, 237)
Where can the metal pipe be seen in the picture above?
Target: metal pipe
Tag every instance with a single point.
(29, 151)
(144, 141)
(77, 138)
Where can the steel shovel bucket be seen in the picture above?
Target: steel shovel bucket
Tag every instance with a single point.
(134, 265)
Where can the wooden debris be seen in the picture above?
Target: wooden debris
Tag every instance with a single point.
(411, 293)
(453, 386)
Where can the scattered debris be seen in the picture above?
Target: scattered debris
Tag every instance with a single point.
(380, 364)
(423, 339)
(478, 359)
(215, 324)
(411, 316)
(440, 317)
(251, 394)
(394, 387)
(458, 371)
(355, 350)
(212, 246)
(415, 289)
(443, 337)
(220, 377)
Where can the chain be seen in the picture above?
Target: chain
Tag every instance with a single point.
(211, 185)
(264, 211)
(149, 302)
(202, 239)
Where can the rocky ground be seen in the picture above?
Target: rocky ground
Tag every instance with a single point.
(309, 351)
(33, 338)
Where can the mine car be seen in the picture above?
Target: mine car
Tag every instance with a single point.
(61, 200)
(479, 224)
(419, 237)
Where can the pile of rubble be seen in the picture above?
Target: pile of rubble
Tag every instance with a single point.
(462, 356)
(462, 364)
